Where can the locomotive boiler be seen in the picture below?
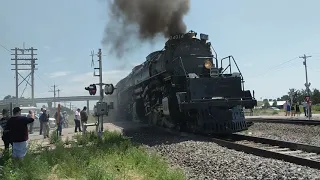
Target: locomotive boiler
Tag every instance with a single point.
(183, 86)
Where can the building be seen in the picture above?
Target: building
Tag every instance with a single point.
(279, 104)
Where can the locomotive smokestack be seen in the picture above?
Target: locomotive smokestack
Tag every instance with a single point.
(142, 20)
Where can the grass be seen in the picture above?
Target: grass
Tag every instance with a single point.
(258, 112)
(88, 157)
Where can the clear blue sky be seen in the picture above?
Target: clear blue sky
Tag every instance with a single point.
(261, 35)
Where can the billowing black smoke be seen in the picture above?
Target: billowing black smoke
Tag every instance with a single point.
(134, 21)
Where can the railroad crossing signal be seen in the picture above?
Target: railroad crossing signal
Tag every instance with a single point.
(109, 89)
(92, 89)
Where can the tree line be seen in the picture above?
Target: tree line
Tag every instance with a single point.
(297, 96)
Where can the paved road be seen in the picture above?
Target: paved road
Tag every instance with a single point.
(69, 132)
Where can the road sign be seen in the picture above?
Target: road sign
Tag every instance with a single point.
(307, 98)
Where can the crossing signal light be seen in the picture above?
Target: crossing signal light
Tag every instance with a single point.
(109, 89)
(92, 89)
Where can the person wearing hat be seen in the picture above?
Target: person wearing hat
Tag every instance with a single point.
(5, 130)
(44, 122)
(18, 128)
(84, 118)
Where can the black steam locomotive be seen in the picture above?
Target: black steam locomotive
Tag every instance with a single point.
(182, 87)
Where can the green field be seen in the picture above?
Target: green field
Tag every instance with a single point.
(257, 112)
(88, 157)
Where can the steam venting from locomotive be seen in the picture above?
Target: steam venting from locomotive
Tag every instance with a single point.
(134, 21)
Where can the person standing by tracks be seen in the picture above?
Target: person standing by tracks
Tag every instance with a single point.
(293, 111)
(41, 125)
(288, 109)
(19, 136)
(298, 109)
(5, 130)
(59, 123)
(304, 104)
(31, 115)
(84, 118)
(44, 123)
(77, 121)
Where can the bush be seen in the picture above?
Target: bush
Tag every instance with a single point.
(316, 108)
(54, 138)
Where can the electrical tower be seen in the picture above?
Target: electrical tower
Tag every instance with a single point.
(307, 84)
(54, 94)
(24, 60)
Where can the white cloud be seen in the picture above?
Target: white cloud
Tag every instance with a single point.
(57, 59)
(59, 74)
(112, 76)
(248, 64)
(47, 47)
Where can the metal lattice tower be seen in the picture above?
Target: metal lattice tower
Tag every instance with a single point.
(24, 60)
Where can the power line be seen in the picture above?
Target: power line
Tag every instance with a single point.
(280, 66)
(44, 82)
(5, 48)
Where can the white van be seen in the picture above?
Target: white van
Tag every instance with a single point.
(25, 111)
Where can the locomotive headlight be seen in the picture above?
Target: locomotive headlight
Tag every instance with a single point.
(207, 64)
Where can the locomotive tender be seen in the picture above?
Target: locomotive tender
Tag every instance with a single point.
(182, 87)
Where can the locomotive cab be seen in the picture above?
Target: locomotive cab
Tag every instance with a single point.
(190, 55)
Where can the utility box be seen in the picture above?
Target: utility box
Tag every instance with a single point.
(101, 109)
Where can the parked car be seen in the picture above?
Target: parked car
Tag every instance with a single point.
(52, 122)
(36, 123)
(275, 108)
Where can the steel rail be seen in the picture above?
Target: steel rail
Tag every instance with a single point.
(284, 121)
(297, 153)
(301, 154)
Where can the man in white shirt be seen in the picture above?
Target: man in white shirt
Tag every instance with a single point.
(77, 119)
(305, 105)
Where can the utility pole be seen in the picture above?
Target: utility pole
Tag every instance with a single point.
(101, 107)
(54, 95)
(307, 84)
(59, 94)
(28, 64)
(100, 85)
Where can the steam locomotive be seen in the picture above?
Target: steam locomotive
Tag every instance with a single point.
(182, 87)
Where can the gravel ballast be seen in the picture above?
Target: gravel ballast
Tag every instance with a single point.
(206, 160)
(287, 132)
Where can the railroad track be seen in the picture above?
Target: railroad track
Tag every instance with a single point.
(302, 154)
(284, 121)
